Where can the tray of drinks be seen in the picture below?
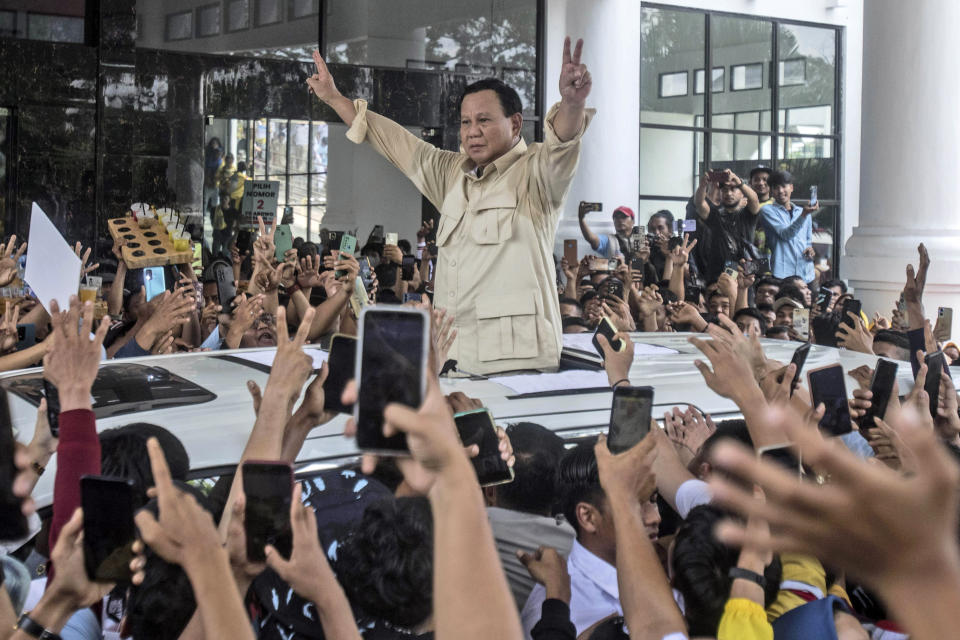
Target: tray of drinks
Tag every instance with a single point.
(149, 243)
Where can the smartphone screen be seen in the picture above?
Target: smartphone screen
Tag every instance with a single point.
(268, 487)
(786, 456)
(827, 387)
(391, 368)
(153, 282)
(26, 336)
(931, 385)
(13, 524)
(406, 268)
(606, 329)
(53, 407)
(341, 364)
(226, 289)
(852, 306)
(477, 427)
(392, 239)
(799, 359)
(412, 297)
(629, 417)
(881, 386)
(108, 528)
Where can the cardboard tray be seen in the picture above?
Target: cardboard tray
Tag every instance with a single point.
(150, 247)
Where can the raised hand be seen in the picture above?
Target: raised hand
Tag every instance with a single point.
(321, 83)
(309, 275)
(73, 360)
(548, 567)
(264, 249)
(575, 80)
(84, 259)
(681, 254)
(8, 328)
(443, 333)
(9, 260)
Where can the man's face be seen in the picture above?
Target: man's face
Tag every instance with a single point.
(758, 182)
(769, 316)
(570, 310)
(805, 290)
(485, 132)
(837, 291)
(650, 515)
(767, 293)
(890, 351)
(749, 326)
(953, 353)
(658, 226)
(784, 317)
(781, 193)
(730, 195)
(622, 224)
(719, 304)
(263, 333)
(209, 292)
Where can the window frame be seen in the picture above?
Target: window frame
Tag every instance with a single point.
(227, 14)
(197, 17)
(166, 25)
(723, 82)
(745, 67)
(686, 80)
(256, 14)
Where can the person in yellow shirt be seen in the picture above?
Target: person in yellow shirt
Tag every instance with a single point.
(500, 202)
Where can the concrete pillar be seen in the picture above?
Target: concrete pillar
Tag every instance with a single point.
(610, 158)
(910, 154)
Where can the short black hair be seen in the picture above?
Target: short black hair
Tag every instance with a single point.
(404, 246)
(241, 167)
(572, 301)
(771, 281)
(777, 332)
(898, 339)
(766, 307)
(666, 214)
(573, 321)
(386, 563)
(716, 293)
(836, 282)
(538, 451)
(123, 454)
(579, 481)
(791, 291)
(753, 313)
(508, 96)
(778, 178)
(784, 282)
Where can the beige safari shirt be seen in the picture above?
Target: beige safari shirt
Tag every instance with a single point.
(495, 269)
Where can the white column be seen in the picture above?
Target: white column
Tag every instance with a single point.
(609, 169)
(910, 154)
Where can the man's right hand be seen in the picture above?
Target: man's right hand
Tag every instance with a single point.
(321, 83)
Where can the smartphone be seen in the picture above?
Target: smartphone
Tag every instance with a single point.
(813, 195)
(570, 252)
(944, 323)
(477, 427)
(406, 268)
(433, 250)
(799, 359)
(763, 266)
(827, 387)
(586, 207)
(801, 322)
(376, 236)
(341, 363)
(850, 305)
(268, 487)
(26, 336)
(282, 241)
(244, 241)
(13, 524)
(108, 528)
(606, 329)
(825, 330)
(392, 239)
(612, 264)
(412, 297)
(786, 456)
(881, 386)
(154, 282)
(614, 288)
(226, 289)
(53, 407)
(750, 268)
(935, 362)
(824, 296)
(731, 268)
(366, 273)
(688, 226)
(348, 244)
(392, 367)
(636, 264)
(692, 295)
(600, 265)
(630, 416)
(673, 242)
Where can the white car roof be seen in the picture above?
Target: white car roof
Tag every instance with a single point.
(214, 433)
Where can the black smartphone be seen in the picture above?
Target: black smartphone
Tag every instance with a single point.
(630, 416)
(586, 207)
(477, 427)
(762, 266)
(53, 407)
(799, 359)
(244, 242)
(931, 384)
(850, 305)
(412, 297)
(13, 524)
(825, 330)
(26, 336)
(376, 236)
(341, 363)
(636, 264)
(750, 268)
(268, 487)
(226, 289)
(731, 268)
(615, 288)
(786, 456)
(827, 387)
(881, 386)
(692, 295)
(824, 296)
(406, 268)
(391, 367)
(108, 528)
(606, 329)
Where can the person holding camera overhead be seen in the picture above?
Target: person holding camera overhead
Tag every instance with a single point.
(500, 201)
(731, 222)
(609, 245)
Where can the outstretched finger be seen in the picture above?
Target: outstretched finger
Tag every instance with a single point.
(577, 50)
(566, 50)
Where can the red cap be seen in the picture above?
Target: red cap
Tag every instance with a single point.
(627, 211)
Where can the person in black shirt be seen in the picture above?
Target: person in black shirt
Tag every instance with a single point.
(731, 223)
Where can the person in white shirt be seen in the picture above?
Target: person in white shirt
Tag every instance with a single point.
(594, 593)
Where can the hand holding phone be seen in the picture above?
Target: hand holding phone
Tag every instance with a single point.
(881, 389)
(478, 428)
(935, 362)
(606, 329)
(798, 360)
(268, 488)
(827, 387)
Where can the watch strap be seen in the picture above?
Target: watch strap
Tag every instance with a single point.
(746, 574)
(33, 628)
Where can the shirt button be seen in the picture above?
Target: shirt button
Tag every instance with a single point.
(451, 294)
(453, 263)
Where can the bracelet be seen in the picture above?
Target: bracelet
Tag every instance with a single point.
(33, 628)
(746, 574)
(38, 468)
(617, 383)
(292, 289)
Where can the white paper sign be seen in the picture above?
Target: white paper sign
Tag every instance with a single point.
(267, 357)
(584, 342)
(259, 199)
(53, 269)
(548, 382)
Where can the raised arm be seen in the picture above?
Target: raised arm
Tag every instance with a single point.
(587, 232)
(575, 83)
(322, 84)
(700, 198)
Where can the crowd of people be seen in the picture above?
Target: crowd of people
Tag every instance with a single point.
(687, 534)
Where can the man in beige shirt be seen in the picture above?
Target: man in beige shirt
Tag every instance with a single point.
(500, 201)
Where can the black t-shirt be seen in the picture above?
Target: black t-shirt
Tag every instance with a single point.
(730, 237)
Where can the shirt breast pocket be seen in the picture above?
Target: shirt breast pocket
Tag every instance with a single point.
(493, 221)
(507, 326)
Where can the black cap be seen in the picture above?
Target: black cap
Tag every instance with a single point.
(778, 178)
(759, 168)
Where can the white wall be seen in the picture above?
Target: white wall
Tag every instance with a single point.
(363, 190)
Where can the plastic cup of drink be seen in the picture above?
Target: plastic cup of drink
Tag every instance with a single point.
(172, 230)
(88, 293)
(181, 241)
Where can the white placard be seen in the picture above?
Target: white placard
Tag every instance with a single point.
(584, 342)
(266, 357)
(53, 269)
(259, 199)
(546, 382)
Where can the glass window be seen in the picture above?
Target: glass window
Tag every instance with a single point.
(238, 15)
(812, 50)
(208, 21)
(669, 40)
(673, 84)
(667, 166)
(812, 162)
(744, 46)
(260, 148)
(792, 72)
(180, 26)
(277, 147)
(54, 28)
(746, 76)
(716, 81)
(299, 146)
(303, 8)
(8, 24)
(268, 12)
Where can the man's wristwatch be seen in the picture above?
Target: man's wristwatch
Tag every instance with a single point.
(32, 628)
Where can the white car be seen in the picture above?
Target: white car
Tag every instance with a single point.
(202, 397)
